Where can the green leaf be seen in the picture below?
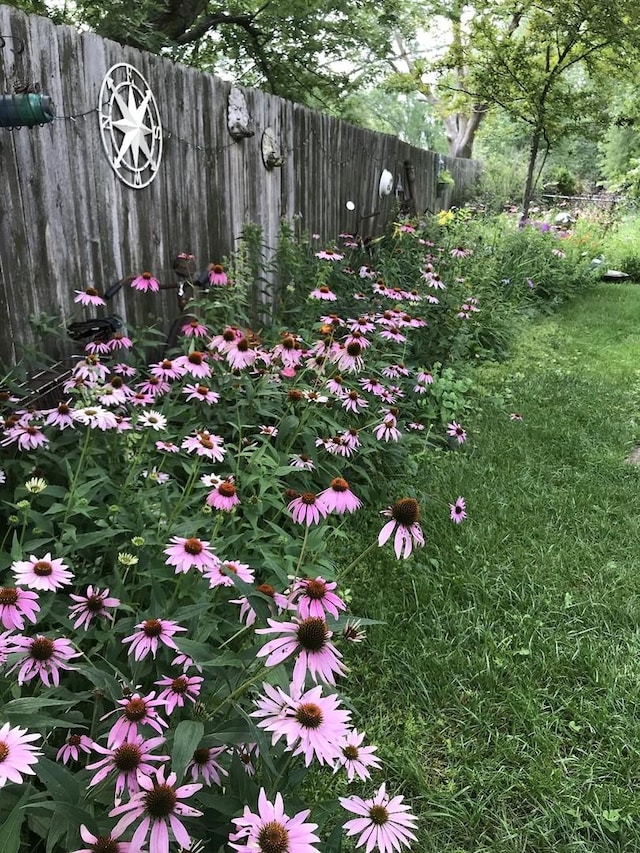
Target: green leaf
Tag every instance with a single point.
(185, 742)
(61, 784)
(33, 704)
(10, 829)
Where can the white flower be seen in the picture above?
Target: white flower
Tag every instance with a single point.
(152, 420)
(35, 485)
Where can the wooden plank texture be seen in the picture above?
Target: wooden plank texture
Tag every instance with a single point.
(67, 221)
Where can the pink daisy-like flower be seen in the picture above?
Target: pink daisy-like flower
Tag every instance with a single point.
(339, 497)
(119, 341)
(167, 446)
(307, 509)
(127, 759)
(187, 553)
(136, 711)
(248, 754)
(194, 329)
(383, 822)
(217, 275)
(15, 604)
(41, 573)
(309, 640)
(202, 393)
(301, 460)
(515, 416)
(222, 574)
(159, 806)
(323, 292)
(273, 831)
(90, 606)
(353, 402)
(149, 634)
(316, 597)
(355, 758)
(329, 255)
(17, 754)
(203, 443)
(103, 843)
(194, 363)
(405, 516)
(88, 296)
(387, 430)
(270, 431)
(313, 725)
(70, 750)
(456, 431)
(26, 436)
(204, 764)
(166, 370)
(178, 689)
(458, 510)
(223, 497)
(60, 417)
(240, 354)
(42, 657)
(146, 282)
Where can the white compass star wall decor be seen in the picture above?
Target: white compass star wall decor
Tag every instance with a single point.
(130, 125)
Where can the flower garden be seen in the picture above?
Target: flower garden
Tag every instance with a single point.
(177, 625)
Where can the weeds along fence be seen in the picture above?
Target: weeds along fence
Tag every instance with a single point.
(68, 220)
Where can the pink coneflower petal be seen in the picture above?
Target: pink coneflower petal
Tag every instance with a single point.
(383, 823)
(17, 754)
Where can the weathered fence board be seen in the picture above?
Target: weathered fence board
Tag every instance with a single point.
(67, 221)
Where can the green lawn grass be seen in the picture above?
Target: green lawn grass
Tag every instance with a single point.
(503, 689)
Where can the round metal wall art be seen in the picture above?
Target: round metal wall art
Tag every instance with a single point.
(130, 126)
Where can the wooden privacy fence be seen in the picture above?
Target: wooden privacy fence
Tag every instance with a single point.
(67, 220)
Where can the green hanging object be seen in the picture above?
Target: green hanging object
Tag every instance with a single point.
(25, 110)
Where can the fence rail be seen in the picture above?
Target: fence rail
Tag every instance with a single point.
(67, 220)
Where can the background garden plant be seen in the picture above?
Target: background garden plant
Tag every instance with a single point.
(175, 617)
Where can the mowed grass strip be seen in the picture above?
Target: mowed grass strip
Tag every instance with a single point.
(504, 687)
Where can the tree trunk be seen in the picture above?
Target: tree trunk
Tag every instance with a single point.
(528, 187)
(460, 131)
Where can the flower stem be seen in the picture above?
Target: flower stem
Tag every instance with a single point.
(353, 563)
(74, 482)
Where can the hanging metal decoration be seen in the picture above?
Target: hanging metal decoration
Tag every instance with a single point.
(130, 126)
(26, 109)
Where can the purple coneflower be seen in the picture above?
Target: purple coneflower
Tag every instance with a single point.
(194, 363)
(223, 497)
(405, 517)
(382, 822)
(217, 275)
(136, 711)
(307, 509)
(158, 805)
(222, 574)
(187, 553)
(43, 657)
(88, 296)
(17, 754)
(91, 605)
(458, 510)
(329, 255)
(127, 759)
(309, 640)
(26, 436)
(316, 598)
(273, 831)
(41, 573)
(70, 750)
(202, 393)
(149, 634)
(339, 497)
(176, 690)
(194, 329)
(323, 292)
(146, 282)
(355, 758)
(15, 604)
(103, 843)
(301, 460)
(204, 764)
(455, 430)
(203, 443)
(313, 725)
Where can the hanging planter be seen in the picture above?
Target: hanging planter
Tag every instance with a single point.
(25, 110)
